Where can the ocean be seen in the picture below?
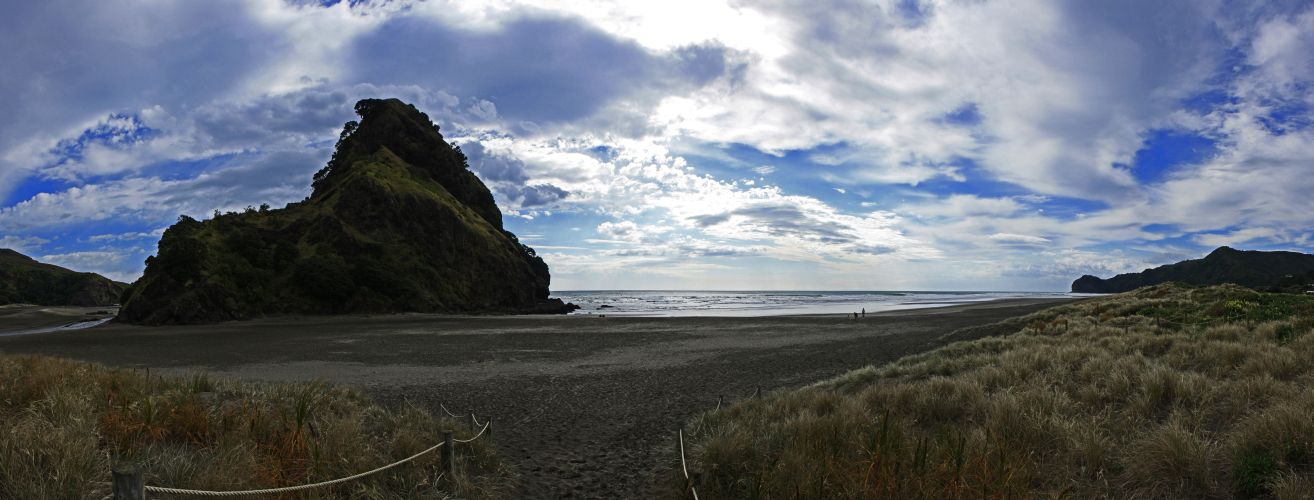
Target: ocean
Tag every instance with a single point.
(772, 303)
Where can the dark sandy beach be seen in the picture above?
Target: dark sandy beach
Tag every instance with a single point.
(583, 406)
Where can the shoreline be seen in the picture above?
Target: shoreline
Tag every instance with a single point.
(583, 408)
(760, 304)
(27, 319)
(945, 307)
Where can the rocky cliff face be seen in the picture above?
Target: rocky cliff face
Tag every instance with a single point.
(26, 281)
(1251, 268)
(396, 223)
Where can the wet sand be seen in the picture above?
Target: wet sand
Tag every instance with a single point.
(584, 406)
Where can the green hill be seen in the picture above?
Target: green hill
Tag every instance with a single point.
(1250, 268)
(396, 223)
(26, 281)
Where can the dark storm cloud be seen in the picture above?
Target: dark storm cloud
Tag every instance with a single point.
(533, 196)
(536, 69)
(66, 63)
(505, 175)
(494, 168)
(311, 112)
(241, 179)
(784, 219)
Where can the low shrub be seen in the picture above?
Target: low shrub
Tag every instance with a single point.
(1164, 392)
(67, 423)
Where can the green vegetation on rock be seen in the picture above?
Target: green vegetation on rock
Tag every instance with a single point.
(26, 281)
(1166, 392)
(396, 222)
(1273, 271)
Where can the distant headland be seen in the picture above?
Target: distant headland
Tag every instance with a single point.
(1275, 271)
(23, 280)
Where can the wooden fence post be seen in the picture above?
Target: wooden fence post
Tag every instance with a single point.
(127, 483)
(449, 455)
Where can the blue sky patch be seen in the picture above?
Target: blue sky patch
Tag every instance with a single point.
(1166, 149)
(33, 185)
(967, 115)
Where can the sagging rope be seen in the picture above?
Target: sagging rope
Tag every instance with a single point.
(286, 489)
(473, 420)
(289, 489)
(476, 436)
(684, 466)
(448, 412)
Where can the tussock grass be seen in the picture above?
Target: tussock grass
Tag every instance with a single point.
(66, 423)
(1164, 392)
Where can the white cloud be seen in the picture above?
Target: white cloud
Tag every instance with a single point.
(964, 205)
(1281, 51)
(1018, 239)
(83, 260)
(609, 110)
(1058, 99)
(621, 231)
(22, 244)
(1235, 237)
(128, 236)
(244, 181)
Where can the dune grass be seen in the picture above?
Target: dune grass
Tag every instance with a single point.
(1164, 392)
(66, 423)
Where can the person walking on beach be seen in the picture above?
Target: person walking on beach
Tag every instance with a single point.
(864, 312)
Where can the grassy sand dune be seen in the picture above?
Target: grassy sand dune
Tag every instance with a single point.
(67, 422)
(1165, 392)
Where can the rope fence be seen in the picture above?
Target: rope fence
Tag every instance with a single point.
(481, 433)
(129, 485)
(691, 481)
(448, 412)
(287, 489)
(684, 467)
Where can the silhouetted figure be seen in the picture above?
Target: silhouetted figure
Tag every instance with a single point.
(864, 312)
(855, 316)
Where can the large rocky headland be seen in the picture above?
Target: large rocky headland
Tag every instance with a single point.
(396, 223)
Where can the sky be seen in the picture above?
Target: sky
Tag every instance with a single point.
(701, 144)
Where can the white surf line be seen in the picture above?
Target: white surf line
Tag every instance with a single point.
(77, 325)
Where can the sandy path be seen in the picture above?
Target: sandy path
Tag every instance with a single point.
(584, 406)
